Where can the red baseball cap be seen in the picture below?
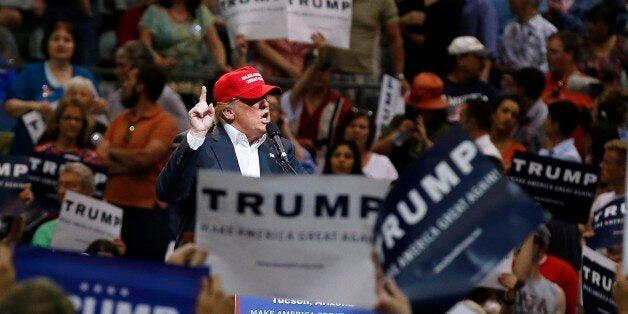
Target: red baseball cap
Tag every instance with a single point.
(244, 83)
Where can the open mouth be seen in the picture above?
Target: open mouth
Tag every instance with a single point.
(266, 117)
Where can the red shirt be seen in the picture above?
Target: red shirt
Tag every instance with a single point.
(310, 124)
(561, 273)
(128, 26)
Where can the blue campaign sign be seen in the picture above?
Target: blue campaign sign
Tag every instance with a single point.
(608, 224)
(598, 277)
(44, 174)
(107, 285)
(13, 172)
(448, 221)
(564, 188)
(259, 305)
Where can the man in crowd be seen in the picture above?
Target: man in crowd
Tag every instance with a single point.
(561, 121)
(563, 49)
(135, 148)
(475, 117)
(463, 82)
(529, 83)
(523, 40)
(228, 137)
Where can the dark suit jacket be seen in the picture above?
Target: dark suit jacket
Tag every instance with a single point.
(177, 181)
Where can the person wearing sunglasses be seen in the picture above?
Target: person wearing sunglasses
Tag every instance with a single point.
(228, 135)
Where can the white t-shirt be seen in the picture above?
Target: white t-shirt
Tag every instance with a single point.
(380, 167)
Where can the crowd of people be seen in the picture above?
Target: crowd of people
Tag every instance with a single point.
(544, 78)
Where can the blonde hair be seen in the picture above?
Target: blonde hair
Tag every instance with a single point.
(220, 108)
(618, 146)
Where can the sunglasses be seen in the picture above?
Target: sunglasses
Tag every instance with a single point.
(248, 102)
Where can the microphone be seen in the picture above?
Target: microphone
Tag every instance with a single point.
(273, 132)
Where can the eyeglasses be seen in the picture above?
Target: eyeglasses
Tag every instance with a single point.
(129, 131)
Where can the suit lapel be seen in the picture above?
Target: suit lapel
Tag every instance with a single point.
(223, 150)
(267, 164)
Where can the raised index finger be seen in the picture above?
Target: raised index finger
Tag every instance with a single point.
(203, 96)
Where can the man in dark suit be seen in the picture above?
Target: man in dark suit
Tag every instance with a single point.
(230, 136)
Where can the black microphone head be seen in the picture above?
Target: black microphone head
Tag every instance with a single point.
(272, 129)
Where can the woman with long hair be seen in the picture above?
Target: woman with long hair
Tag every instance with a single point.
(359, 126)
(343, 158)
(69, 132)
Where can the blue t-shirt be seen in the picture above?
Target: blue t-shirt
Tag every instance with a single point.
(458, 94)
(32, 84)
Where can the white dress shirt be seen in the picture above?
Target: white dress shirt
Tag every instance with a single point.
(565, 150)
(247, 154)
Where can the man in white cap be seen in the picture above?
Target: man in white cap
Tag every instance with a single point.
(463, 82)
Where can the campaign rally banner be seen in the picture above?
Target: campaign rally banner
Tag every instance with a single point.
(608, 224)
(391, 103)
(297, 237)
(332, 18)
(448, 221)
(259, 305)
(44, 175)
(564, 188)
(13, 172)
(109, 285)
(83, 220)
(295, 20)
(598, 277)
(254, 19)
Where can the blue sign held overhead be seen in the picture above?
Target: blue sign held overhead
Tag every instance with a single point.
(448, 221)
(107, 285)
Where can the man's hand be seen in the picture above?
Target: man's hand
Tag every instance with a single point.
(212, 299)
(413, 18)
(187, 255)
(27, 196)
(7, 270)
(319, 41)
(201, 116)
(507, 280)
(620, 289)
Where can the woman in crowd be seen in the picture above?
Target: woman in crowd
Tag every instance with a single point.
(84, 90)
(505, 118)
(69, 132)
(605, 54)
(343, 158)
(174, 31)
(360, 127)
(40, 85)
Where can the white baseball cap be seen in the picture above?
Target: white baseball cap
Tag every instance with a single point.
(466, 44)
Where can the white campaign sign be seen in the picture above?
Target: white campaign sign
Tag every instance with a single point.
(295, 20)
(35, 125)
(82, 220)
(255, 19)
(391, 103)
(298, 237)
(332, 18)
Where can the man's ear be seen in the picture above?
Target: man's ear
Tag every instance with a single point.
(229, 114)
